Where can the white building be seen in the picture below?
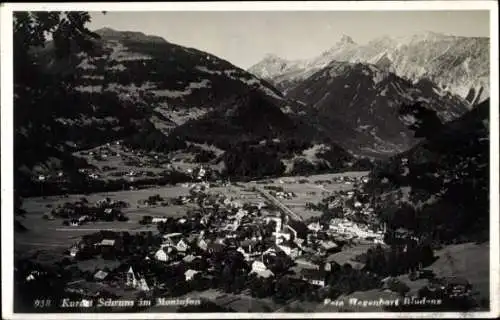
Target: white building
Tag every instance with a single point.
(131, 278)
(291, 252)
(202, 244)
(259, 268)
(73, 252)
(107, 242)
(136, 281)
(182, 246)
(189, 274)
(315, 226)
(245, 254)
(161, 255)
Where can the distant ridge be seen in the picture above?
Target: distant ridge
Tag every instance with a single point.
(455, 63)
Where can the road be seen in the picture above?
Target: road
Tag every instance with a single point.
(104, 229)
(278, 203)
(42, 244)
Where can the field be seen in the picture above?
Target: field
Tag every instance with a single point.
(53, 237)
(468, 260)
(47, 239)
(309, 189)
(115, 161)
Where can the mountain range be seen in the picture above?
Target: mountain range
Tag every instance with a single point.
(457, 64)
(360, 105)
(158, 96)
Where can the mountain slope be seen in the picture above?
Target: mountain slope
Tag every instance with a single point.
(441, 186)
(359, 106)
(134, 86)
(458, 64)
(131, 78)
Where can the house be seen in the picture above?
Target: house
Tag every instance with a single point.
(182, 246)
(270, 251)
(100, 275)
(402, 233)
(189, 258)
(328, 246)
(457, 286)
(73, 251)
(265, 273)
(240, 214)
(205, 219)
(168, 242)
(143, 285)
(236, 204)
(232, 226)
(159, 219)
(327, 267)
(161, 255)
(314, 277)
(189, 274)
(289, 251)
(306, 264)
(202, 244)
(136, 280)
(172, 235)
(261, 205)
(278, 223)
(131, 278)
(259, 268)
(107, 242)
(192, 237)
(171, 239)
(298, 229)
(315, 226)
(34, 274)
(245, 254)
(249, 246)
(215, 247)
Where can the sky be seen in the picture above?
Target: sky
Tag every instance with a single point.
(245, 37)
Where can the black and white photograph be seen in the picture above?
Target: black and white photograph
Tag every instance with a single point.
(225, 160)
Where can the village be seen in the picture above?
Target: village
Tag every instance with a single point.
(249, 245)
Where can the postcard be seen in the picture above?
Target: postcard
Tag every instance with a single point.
(250, 160)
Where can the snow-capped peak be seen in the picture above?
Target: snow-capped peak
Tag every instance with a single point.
(412, 56)
(345, 40)
(273, 57)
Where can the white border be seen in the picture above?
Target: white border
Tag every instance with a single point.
(7, 136)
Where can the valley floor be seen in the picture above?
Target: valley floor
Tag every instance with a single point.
(46, 240)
